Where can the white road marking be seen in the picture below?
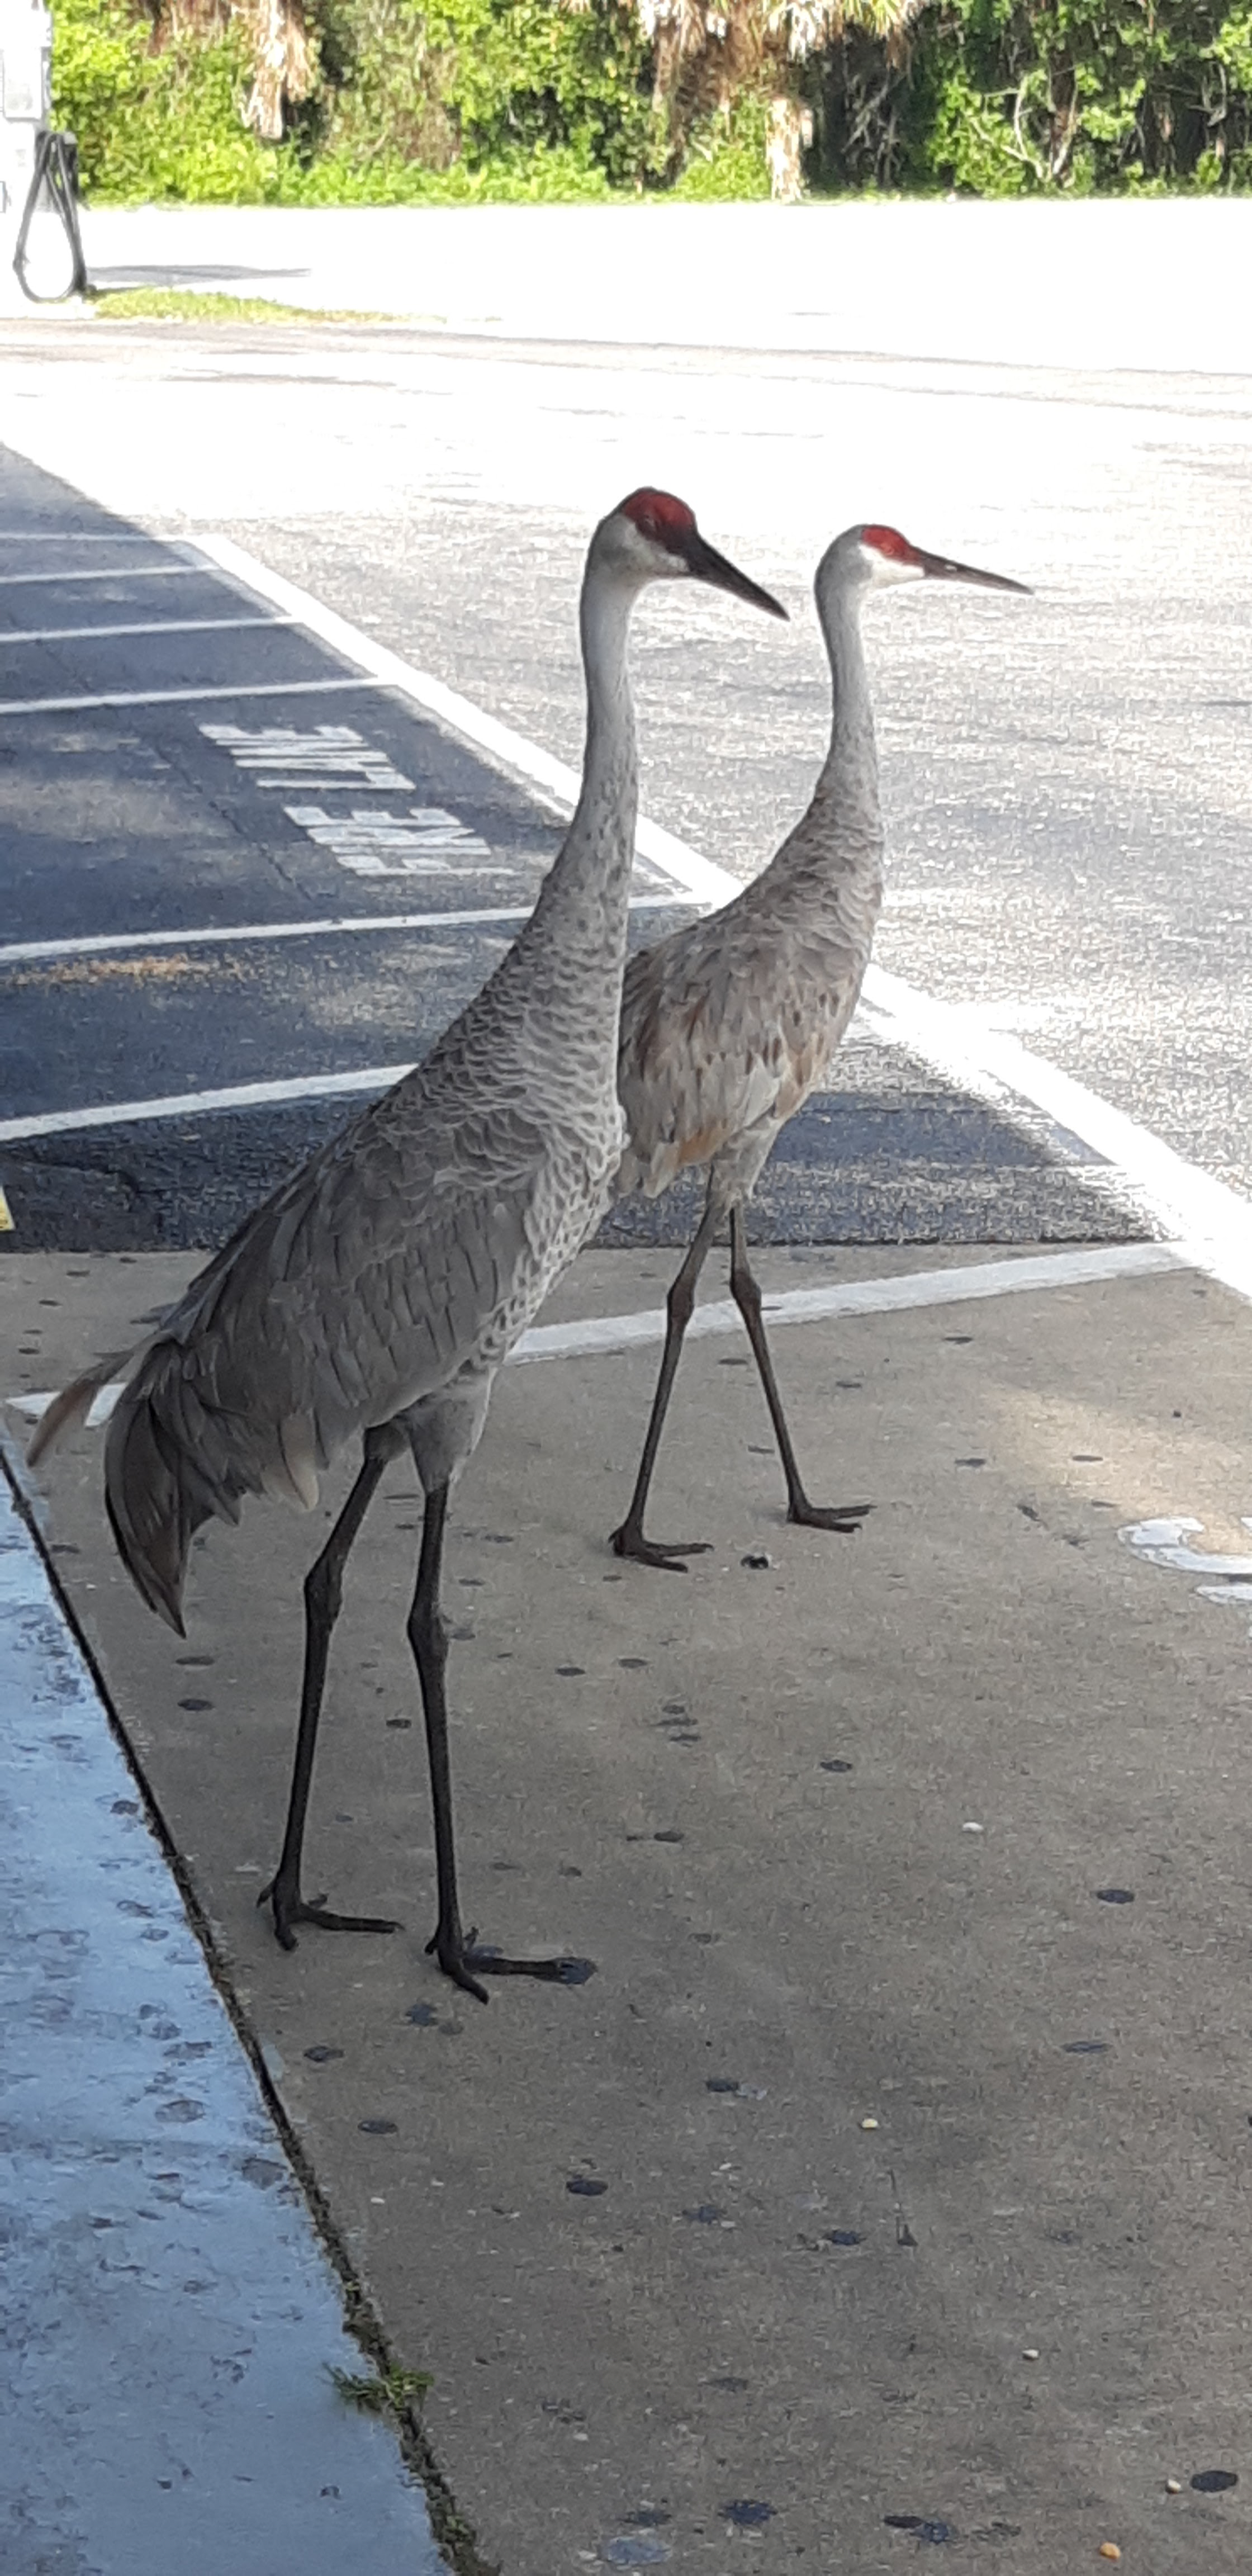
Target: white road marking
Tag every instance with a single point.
(115, 572)
(597, 1336)
(28, 951)
(179, 697)
(424, 843)
(76, 537)
(510, 751)
(1186, 1203)
(193, 1104)
(147, 626)
(895, 1295)
(328, 755)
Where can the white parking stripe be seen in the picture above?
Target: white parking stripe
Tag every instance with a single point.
(76, 537)
(24, 952)
(178, 697)
(1187, 1204)
(192, 1104)
(115, 572)
(148, 626)
(595, 1336)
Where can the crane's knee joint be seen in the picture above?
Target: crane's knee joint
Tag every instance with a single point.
(323, 1591)
(746, 1294)
(680, 1303)
(428, 1634)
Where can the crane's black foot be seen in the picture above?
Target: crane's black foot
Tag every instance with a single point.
(459, 1955)
(844, 1517)
(289, 1907)
(629, 1540)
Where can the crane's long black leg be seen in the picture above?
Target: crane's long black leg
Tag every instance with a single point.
(845, 1517)
(455, 1948)
(323, 1594)
(629, 1540)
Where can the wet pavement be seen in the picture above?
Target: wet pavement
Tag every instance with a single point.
(171, 2320)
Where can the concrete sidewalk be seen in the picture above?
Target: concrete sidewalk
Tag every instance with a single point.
(886, 2188)
(1097, 284)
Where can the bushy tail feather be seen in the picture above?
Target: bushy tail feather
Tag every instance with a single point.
(73, 1404)
(152, 1513)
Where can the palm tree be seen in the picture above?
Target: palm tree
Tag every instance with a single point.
(708, 53)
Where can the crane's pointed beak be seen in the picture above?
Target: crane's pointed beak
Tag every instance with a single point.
(941, 568)
(705, 564)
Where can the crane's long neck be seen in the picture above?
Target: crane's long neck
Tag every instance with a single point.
(846, 795)
(579, 922)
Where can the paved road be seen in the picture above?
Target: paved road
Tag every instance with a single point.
(211, 791)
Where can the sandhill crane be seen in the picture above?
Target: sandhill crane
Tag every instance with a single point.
(729, 1025)
(379, 1290)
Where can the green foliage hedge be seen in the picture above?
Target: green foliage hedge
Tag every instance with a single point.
(457, 100)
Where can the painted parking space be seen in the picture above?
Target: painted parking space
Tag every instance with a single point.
(234, 865)
(253, 867)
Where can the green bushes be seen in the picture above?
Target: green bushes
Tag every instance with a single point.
(458, 100)
(157, 123)
(411, 100)
(1019, 97)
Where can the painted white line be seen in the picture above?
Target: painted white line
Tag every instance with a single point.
(599, 1335)
(76, 537)
(23, 952)
(116, 572)
(510, 751)
(1187, 1204)
(147, 626)
(178, 697)
(896, 1295)
(194, 1104)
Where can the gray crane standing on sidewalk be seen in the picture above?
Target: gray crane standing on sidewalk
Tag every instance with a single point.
(379, 1290)
(729, 1025)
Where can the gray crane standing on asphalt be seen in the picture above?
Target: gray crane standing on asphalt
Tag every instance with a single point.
(729, 1025)
(379, 1290)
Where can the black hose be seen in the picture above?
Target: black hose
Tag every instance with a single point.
(56, 169)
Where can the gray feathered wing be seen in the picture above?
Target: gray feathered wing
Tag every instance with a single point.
(389, 1264)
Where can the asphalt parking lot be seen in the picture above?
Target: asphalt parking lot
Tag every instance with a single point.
(347, 872)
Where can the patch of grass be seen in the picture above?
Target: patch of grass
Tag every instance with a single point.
(186, 304)
(388, 2394)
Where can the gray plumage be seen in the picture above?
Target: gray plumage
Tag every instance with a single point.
(378, 1291)
(728, 1026)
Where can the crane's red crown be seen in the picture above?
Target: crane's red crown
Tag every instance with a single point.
(659, 516)
(889, 542)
